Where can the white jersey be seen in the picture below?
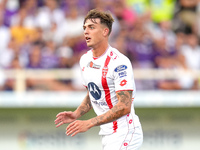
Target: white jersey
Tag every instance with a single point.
(104, 76)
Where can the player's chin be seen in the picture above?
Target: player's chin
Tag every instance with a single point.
(89, 45)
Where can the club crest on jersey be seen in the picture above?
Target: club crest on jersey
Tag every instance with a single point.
(104, 71)
(94, 90)
(113, 55)
(120, 68)
(92, 65)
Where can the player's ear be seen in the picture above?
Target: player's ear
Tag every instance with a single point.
(106, 32)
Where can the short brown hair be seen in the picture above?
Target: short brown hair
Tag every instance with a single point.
(105, 18)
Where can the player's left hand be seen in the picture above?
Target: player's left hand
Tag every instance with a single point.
(77, 126)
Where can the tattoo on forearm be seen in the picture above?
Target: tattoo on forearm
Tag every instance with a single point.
(125, 97)
(120, 109)
(85, 107)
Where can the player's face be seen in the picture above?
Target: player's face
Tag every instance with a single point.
(93, 32)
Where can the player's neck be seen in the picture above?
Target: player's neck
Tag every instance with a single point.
(100, 50)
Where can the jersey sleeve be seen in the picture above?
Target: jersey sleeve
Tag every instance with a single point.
(123, 75)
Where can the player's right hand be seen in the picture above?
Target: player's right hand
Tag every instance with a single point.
(65, 117)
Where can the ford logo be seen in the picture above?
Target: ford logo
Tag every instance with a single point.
(120, 68)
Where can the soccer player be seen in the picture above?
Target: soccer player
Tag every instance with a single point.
(108, 76)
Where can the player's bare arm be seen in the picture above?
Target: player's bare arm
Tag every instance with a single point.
(122, 108)
(69, 116)
(84, 107)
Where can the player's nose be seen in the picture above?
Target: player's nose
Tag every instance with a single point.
(86, 31)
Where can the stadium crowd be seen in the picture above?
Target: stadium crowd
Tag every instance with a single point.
(48, 34)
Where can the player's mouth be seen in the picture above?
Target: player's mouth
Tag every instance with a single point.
(87, 39)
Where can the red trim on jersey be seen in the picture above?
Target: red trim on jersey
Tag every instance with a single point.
(125, 90)
(105, 84)
(95, 58)
(115, 126)
(106, 89)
